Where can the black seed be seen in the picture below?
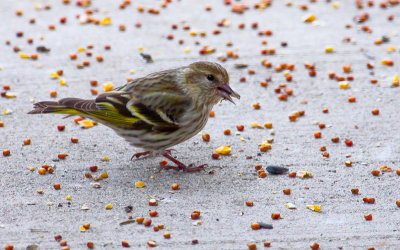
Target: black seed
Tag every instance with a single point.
(276, 170)
(265, 225)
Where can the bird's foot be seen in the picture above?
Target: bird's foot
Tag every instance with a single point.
(146, 153)
(138, 155)
(180, 166)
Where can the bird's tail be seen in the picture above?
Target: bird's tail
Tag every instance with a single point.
(71, 106)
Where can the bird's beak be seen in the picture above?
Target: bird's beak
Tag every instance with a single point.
(225, 91)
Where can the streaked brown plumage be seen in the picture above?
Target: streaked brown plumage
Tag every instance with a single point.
(157, 111)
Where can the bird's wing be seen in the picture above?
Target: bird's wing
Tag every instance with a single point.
(157, 104)
(159, 108)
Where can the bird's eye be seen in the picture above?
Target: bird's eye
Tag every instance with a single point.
(210, 78)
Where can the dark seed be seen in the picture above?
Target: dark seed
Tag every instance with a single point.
(42, 49)
(276, 170)
(147, 57)
(128, 209)
(265, 225)
(240, 65)
(126, 222)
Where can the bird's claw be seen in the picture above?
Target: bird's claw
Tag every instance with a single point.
(138, 155)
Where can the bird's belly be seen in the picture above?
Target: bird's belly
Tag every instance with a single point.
(155, 140)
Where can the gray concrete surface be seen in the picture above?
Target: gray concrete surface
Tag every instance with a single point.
(220, 197)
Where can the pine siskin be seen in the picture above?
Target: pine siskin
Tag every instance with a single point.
(157, 111)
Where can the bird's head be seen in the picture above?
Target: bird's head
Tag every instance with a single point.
(208, 82)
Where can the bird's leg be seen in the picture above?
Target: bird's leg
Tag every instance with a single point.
(180, 165)
(138, 155)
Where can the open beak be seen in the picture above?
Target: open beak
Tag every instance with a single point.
(225, 91)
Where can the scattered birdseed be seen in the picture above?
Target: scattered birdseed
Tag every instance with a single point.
(315, 208)
(223, 150)
(140, 184)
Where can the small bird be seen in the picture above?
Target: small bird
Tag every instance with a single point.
(157, 111)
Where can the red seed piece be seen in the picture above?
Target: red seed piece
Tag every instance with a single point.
(195, 215)
(325, 154)
(167, 235)
(292, 174)
(42, 171)
(90, 245)
(6, 152)
(63, 243)
(262, 174)
(282, 97)
(61, 127)
(287, 191)
(215, 156)
(139, 220)
(125, 244)
(73, 56)
(369, 200)
(368, 217)
(348, 142)
(74, 139)
(151, 243)
(212, 113)
(9, 247)
(147, 222)
(318, 134)
(227, 131)
(206, 137)
(153, 213)
(321, 125)
(375, 172)
(375, 111)
(275, 216)
(255, 226)
(27, 141)
(63, 19)
(335, 139)
(352, 98)
(346, 68)
(57, 186)
(252, 245)
(175, 186)
(398, 203)
(267, 244)
(314, 246)
(354, 190)
(153, 202)
(249, 203)
(62, 156)
(93, 168)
